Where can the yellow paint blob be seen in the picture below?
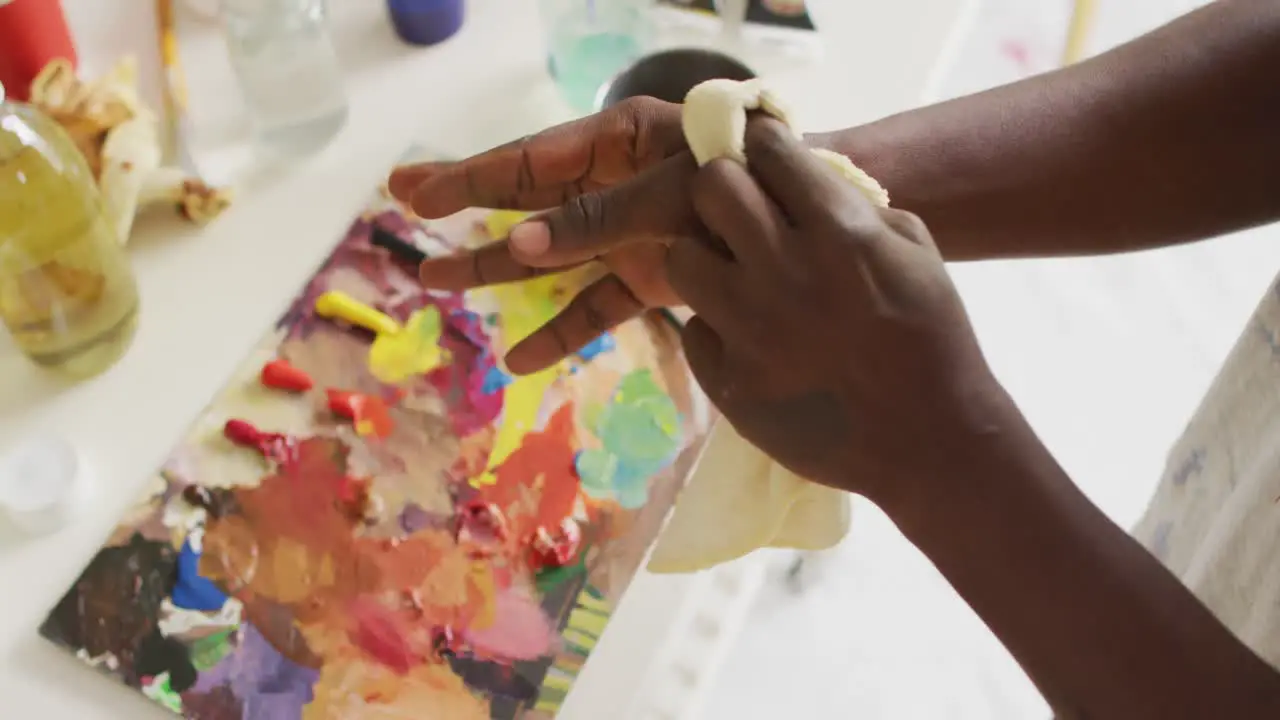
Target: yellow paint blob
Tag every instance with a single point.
(338, 305)
(499, 222)
(396, 357)
(522, 309)
(486, 588)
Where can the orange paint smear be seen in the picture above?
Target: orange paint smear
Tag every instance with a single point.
(293, 541)
(537, 485)
(369, 414)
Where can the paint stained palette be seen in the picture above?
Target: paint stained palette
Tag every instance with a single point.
(391, 526)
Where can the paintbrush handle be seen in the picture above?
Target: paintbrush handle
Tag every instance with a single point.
(170, 58)
(1082, 15)
(175, 89)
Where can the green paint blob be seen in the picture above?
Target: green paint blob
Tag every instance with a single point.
(642, 422)
(639, 431)
(161, 691)
(549, 579)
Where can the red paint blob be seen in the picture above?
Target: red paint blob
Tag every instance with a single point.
(277, 447)
(481, 528)
(559, 547)
(368, 413)
(543, 465)
(378, 632)
(280, 375)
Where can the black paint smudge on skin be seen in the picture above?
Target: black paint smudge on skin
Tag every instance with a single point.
(114, 607)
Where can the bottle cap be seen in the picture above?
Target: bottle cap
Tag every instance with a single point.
(43, 483)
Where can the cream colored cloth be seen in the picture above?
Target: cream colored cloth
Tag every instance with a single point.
(738, 500)
(1215, 518)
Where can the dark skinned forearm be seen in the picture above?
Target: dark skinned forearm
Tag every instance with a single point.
(1098, 624)
(1170, 138)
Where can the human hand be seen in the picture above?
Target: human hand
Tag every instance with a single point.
(619, 181)
(828, 331)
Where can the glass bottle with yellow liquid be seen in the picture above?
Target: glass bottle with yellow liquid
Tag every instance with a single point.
(67, 292)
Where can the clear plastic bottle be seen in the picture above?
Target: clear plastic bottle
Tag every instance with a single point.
(67, 292)
(288, 71)
(590, 41)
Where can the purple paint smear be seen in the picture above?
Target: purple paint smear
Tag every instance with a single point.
(269, 685)
(473, 405)
(414, 518)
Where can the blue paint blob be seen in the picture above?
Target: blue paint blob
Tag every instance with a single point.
(494, 380)
(601, 344)
(596, 469)
(193, 592)
(1160, 539)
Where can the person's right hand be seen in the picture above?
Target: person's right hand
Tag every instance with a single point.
(619, 185)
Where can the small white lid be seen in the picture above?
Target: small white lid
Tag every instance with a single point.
(43, 482)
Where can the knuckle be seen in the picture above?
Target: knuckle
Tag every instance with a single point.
(584, 216)
(766, 133)
(907, 223)
(649, 114)
(856, 224)
(675, 264)
(641, 122)
(708, 183)
(682, 271)
(596, 317)
(640, 107)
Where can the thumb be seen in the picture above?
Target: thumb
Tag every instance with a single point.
(654, 205)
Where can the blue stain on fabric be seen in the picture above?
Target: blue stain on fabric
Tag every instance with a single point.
(601, 344)
(1160, 539)
(1268, 337)
(494, 380)
(1192, 466)
(193, 592)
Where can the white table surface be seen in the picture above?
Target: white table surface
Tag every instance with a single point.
(209, 295)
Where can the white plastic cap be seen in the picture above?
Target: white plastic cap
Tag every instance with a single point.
(43, 483)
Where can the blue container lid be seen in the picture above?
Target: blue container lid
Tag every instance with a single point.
(426, 22)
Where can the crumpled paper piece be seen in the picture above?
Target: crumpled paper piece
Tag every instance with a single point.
(119, 139)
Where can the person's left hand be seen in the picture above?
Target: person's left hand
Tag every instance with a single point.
(828, 332)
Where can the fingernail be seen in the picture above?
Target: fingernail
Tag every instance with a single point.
(530, 238)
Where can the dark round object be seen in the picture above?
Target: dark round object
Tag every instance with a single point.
(669, 75)
(426, 22)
